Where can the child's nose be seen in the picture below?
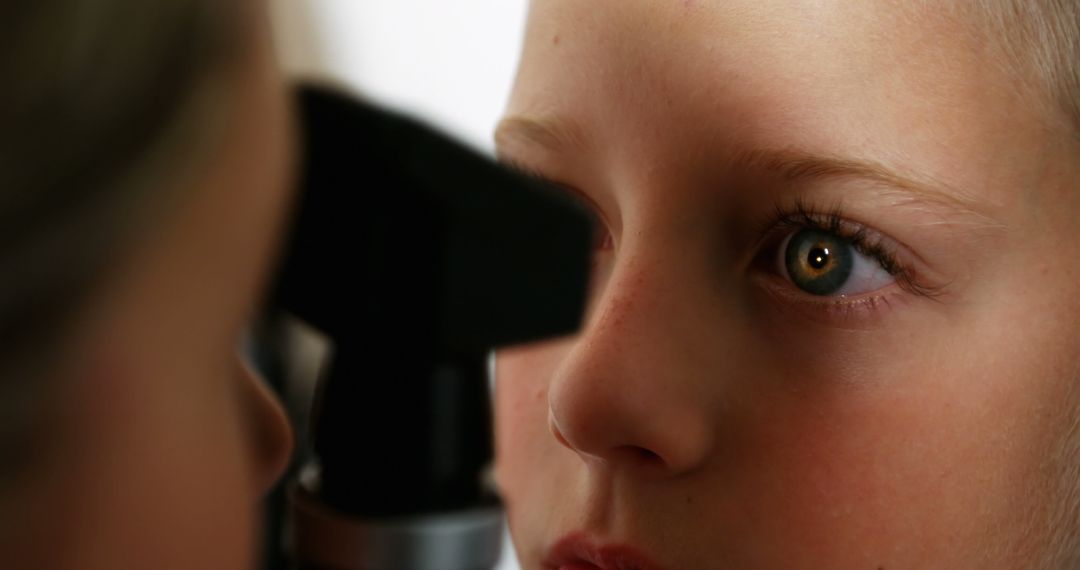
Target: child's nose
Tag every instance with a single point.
(633, 392)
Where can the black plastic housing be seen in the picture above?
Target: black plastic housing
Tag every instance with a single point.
(417, 255)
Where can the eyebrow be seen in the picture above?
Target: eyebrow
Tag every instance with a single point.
(790, 164)
(552, 133)
(794, 165)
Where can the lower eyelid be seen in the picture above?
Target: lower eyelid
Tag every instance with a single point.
(856, 311)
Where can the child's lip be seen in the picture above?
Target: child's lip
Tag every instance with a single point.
(577, 551)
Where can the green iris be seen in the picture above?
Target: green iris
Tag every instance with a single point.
(818, 262)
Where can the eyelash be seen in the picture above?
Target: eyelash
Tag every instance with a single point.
(801, 215)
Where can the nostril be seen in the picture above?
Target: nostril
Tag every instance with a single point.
(629, 454)
(555, 431)
(647, 455)
(641, 455)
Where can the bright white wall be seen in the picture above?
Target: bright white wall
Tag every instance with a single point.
(449, 62)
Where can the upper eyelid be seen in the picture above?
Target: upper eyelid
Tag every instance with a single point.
(826, 218)
(861, 237)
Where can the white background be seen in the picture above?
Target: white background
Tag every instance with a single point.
(449, 62)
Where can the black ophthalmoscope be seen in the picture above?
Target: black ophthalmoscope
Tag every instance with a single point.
(416, 256)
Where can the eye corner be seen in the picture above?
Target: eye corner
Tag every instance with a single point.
(918, 287)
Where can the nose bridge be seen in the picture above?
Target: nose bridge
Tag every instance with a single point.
(629, 389)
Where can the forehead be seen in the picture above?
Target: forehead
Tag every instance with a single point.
(893, 81)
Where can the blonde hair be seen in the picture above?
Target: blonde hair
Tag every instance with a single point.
(1040, 42)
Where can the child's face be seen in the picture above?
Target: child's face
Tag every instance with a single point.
(750, 390)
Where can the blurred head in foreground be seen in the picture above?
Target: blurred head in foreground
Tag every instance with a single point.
(835, 319)
(144, 162)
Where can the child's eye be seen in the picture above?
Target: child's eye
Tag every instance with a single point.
(823, 263)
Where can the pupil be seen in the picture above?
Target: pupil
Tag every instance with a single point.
(819, 262)
(818, 257)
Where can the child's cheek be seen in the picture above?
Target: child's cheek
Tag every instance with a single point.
(932, 463)
(522, 436)
(529, 463)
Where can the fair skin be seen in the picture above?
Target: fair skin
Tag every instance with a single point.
(714, 415)
(166, 439)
